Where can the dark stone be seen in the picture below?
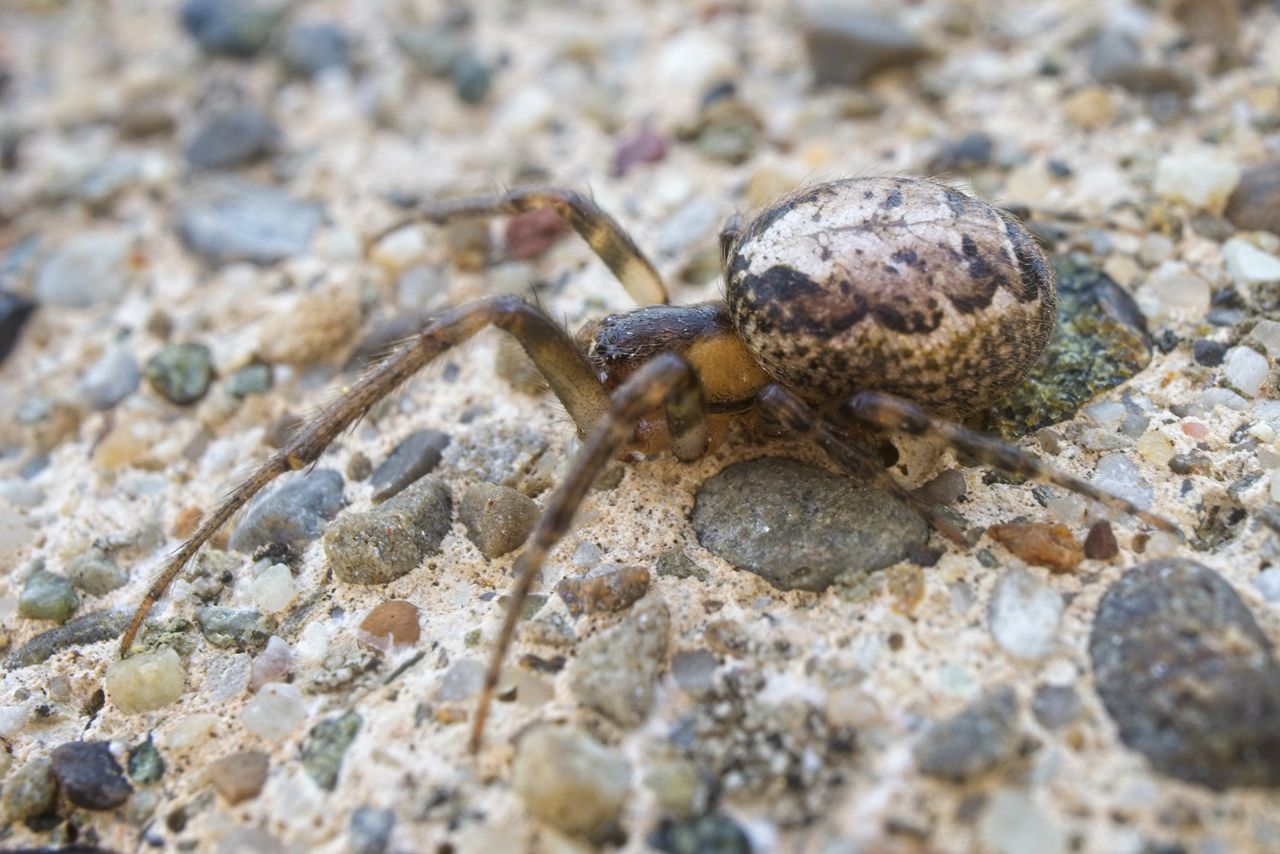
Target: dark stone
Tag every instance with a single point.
(1100, 543)
(89, 775)
(371, 830)
(237, 28)
(1116, 57)
(14, 312)
(1055, 706)
(414, 457)
(1188, 676)
(713, 833)
(1255, 204)
(293, 513)
(1208, 352)
(847, 47)
(181, 373)
(309, 49)
(472, 78)
(966, 154)
(799, 527)
(973, 741)
(233, 138)
(80, 632)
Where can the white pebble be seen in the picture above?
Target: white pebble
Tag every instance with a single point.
(146, 681)
(1013, 823)
(1248, 265)
(1201, 180)
(273, 664)
(1068, 509)
(190, 731)
(400, 250)
(1268, 583)
(1117, 475)
(1223, 397)
(693, 61)
(1245, 370)
(1267, 333)
(1107, 413)
(1174, 294)
(274, 589)
(1162, 544)
(274, 712)
(13, 719)
(1024, 615)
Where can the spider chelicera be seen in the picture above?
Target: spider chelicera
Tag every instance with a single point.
(883, 303)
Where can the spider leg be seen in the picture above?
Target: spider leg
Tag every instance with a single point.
(800, 418)
(548, 345)
(601, 232)
(888, 412)
(666, 380)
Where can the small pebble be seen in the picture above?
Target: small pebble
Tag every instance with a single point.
(383, 544)
(604, 590)
(463, 680)
(1056, 706)
(227, 219)
(714, 832)
(145, 764)
(1024, 615)
(239, 776)
(181, 373)
(91, 268)
(617, 667)
(1245, 370)
(325, 747)
(1044, 544)
(530, 235)
(1174, 295)
(1116, 58)
(318, 325)
(569, 781)
(93, 572)
(1089, 107)
(29, 792)
(964, 155)
(109, 380)
(47, 596)
(945, 489)
(417, 455)
(433, 49)
(644, 146)
(677, 564)
(146, 681)
(1119, 476)
(472, 77)
(274, 589)
(293, 513)
(234, 628)
(1255, 204)
(1267, 333)
(251, 379)
(694, 671)
(1013, 823)
(14, 313)
(1247, 265)
(498, 519)
(1100, 543)
(1188, 676)
(75, 634)
(1209, 353)
(370, 830)
(89, 775)
(395, 621)
(238, 28)
(973, 741)
(1203, 181)
(729, 130)
(799, 527)
(275, 712)
(311, 48)
(847, 45)
(233, 138)
(273, 664)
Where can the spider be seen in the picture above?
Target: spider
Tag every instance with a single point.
(894, 304)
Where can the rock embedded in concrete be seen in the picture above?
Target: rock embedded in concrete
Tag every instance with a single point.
(292, 514)
(973, 741)
(383, 544)
(89, 775)
(570, 781)
(417, 455)
(498, 519)
(616, 668)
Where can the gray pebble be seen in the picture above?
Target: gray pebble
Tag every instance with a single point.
(571, 782)
(714, 833)
(47, 596)
(14, 312)
(93, 572)
(233, 138)
(238, 628)
(472, 78)
(497, 518)
(414, 457)
(847, 45)
(1116, 58)
(798, 527)
(109, 380)
(1190, 679)
(463, 679)
(677, 564)
(1055, 706)
(90, 268)
(325, 747)
(89, 775)
(615, 670)
(181, 373)
(694, 670)
(238, 28)
(370, 830)
(309, 49)
(947, 488)
(433, 49)
(81, 632)
(251, 379)
(29, 792)
(496, 453)
(966, 154)
(1255, 203)
(292, 514)
(391, 540)
(227, 219)
(974, 741)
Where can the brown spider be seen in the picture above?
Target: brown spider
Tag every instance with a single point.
(852, 304)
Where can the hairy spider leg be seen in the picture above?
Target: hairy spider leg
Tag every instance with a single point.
(548, 345)
(889, 412)
(600, 230)
(857, 461)
(668, 380)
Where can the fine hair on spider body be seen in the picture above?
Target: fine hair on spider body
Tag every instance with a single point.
(894, 304)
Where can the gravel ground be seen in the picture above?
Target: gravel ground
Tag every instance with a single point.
(189, 199)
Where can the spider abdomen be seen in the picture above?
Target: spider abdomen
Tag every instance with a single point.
(900, 285)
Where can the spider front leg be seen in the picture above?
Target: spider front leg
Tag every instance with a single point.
(548, 345)
(888, 412)
(668, 381)
(858, 462)
(601, 232)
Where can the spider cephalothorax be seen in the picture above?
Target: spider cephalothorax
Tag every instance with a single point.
(874, 302)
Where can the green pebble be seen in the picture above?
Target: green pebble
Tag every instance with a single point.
(31, 791)
(94, 573)
(145, 764)
(181, 373)
(471, 77)
(242, 628)
(47, 596)
(251, 379)
(325, 747)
